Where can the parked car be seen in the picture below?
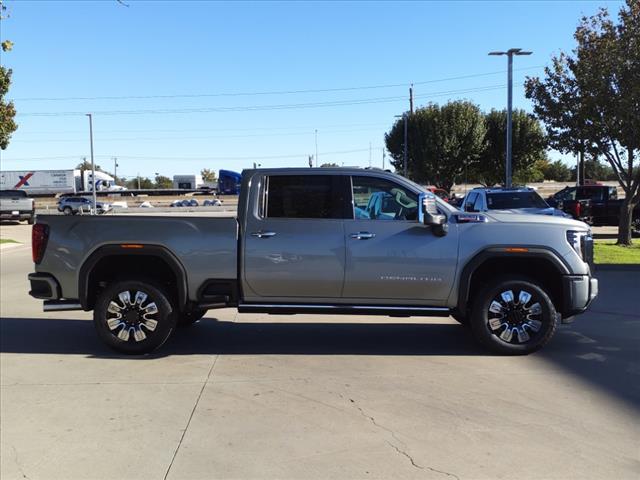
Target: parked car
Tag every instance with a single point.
(212, 203)
(16, 205)
(508, 200)
(594, 204)
(176, 203)
(75, 205)
(298, 246)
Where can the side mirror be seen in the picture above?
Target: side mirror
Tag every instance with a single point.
(428, 214)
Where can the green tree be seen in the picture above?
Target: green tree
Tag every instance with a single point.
(164, 182)
(591, 98)
(528, 147)
(442, 141)
(208, 175)
(556, 171)
(144, 182)
(7, 109)
(595, 170)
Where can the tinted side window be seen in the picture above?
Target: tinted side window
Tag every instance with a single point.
(306, 196)
(379, 199)
(469, 202)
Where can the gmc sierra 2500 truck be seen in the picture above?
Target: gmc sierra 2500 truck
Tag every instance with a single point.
(324, 241)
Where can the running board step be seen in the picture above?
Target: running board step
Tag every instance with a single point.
(60, 305)
(393, 311)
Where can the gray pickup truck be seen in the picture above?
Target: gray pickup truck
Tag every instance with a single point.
(323, 241)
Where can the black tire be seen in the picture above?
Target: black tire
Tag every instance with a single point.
(512, 331)
(31, 220)
(67, 211)
(132, 316)
(460, 319)
(187, 319)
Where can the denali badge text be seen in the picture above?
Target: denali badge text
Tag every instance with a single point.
(410, 278)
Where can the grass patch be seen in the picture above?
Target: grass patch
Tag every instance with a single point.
(609, 252)
(7, 240)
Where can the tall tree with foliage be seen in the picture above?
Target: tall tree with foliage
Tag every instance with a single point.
(528, 147)
(208, 175)
(7, 109)
(442, 142)
(592, 96)
(163, 182)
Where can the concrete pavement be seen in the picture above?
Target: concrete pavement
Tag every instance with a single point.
(257, 396)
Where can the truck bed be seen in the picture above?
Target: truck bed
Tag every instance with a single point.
(205, 246)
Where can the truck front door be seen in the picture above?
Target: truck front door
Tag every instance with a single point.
(294, 243)
(391, 258)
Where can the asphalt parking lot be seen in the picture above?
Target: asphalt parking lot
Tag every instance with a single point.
(257, 396)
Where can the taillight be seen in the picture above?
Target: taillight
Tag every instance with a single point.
(39, 237)
(578, 210)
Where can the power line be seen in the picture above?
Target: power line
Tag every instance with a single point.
(275, 92)
(246, 108)
(188, 158)
(207, 137)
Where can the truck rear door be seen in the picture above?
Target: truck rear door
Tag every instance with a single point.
(294, 241)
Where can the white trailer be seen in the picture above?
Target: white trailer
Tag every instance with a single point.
(41, 182)
(187, 182)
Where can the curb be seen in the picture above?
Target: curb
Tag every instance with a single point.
(8, 246)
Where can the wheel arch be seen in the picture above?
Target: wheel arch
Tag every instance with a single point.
(549, 270)
(135, 255)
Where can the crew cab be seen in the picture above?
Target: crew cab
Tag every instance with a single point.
(16, 205)
(594, 204)
(319, 241)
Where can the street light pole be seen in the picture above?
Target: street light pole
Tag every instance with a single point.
(93, 165)
(316, 148)
(115, 169)
(510, 53)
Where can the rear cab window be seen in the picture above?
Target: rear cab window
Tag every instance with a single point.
(306, 196)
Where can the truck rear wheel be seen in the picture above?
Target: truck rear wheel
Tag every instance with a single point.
(513, 316)
(134, 317)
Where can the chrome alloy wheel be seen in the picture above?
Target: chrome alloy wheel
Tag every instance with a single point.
(128, 318)
(515, 320)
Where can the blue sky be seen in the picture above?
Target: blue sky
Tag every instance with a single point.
(197, 60)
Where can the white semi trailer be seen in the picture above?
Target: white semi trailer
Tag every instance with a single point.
(52, 182)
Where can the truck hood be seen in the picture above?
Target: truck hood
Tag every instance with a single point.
(505, 217)
(535, 211)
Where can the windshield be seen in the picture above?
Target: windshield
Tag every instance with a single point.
(508, 200)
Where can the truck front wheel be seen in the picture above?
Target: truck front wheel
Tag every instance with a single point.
(513, 316)
(134, 317)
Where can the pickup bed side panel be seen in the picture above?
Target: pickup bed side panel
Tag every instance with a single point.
(206, 247)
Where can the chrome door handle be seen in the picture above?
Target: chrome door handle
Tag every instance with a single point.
(363, 235)
(263, 234)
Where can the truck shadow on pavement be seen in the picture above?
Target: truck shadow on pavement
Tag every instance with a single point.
(601, 349)
(210, 336)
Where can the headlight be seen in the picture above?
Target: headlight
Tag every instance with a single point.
(582, 242)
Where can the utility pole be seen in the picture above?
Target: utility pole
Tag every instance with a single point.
(115, 169)
(383, 154)
(138, 180)
(406, 146)
(316, 148)
(411, 99)
(93, 165)
(509, 53)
